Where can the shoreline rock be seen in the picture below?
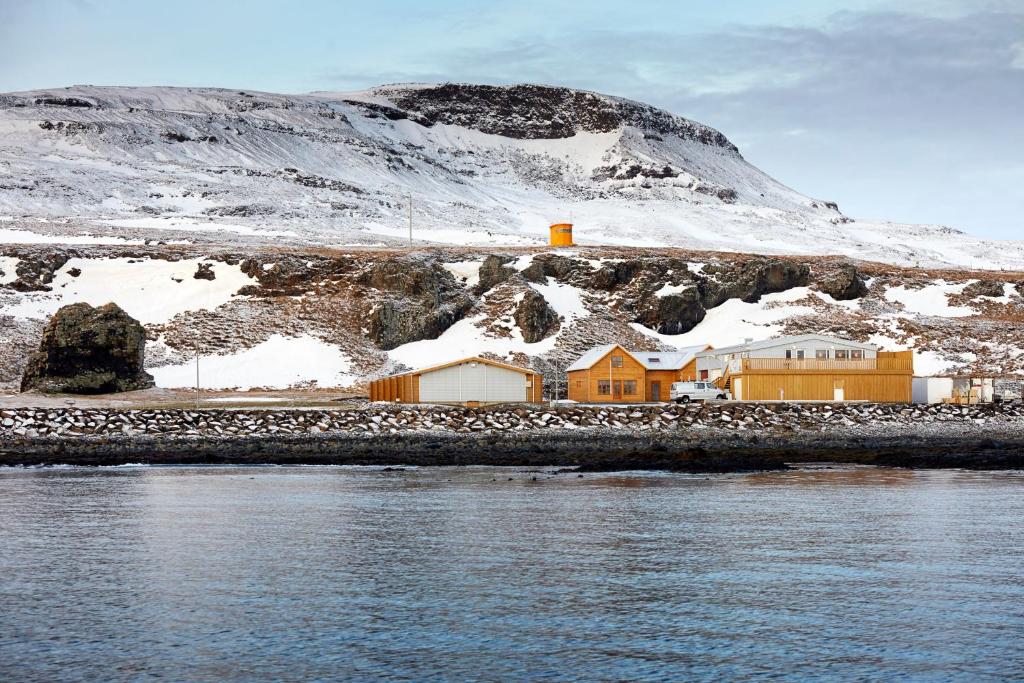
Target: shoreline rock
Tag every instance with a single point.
(703, 438)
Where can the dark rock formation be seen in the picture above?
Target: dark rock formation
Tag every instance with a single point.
(205, 272)
(672, 313)
(86, 350)
(535, 317)
(423, 300)
(493, 272)
(539, 112)
(843, 284)
(612, 275)
(993, 288)
(750, 280)
(550, 265)
(35, 271)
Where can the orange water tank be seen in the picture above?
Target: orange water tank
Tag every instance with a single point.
(561, 235)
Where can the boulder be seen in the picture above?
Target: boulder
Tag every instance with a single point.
(205, 272)
(672, 313)
(550, 265)
(844, 283)
(535, 318)
(86, 350)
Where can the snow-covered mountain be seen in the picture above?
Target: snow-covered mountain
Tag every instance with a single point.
(480, 165)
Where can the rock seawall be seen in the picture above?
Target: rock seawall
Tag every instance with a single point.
(713, 437)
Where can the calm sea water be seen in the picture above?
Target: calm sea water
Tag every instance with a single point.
(306, 573)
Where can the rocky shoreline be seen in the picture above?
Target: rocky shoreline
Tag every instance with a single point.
(698, 438)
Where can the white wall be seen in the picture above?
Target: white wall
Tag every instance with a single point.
(808, 347)
(931, 389)
(472, 382)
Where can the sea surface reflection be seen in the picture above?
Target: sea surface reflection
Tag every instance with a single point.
(304, 573)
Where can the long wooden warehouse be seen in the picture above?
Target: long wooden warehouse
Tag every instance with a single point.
(470, 381)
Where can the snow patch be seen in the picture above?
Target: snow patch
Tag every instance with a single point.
(278, 363)
(8, 266)
(468, 270)
(931, 300)
(150, 290)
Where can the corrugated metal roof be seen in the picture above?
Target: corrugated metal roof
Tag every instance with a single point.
(786, 341)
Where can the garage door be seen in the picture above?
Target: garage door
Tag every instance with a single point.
(472, 382)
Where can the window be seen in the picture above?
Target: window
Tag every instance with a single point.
(629, 387)
(789, 354)
(604, 387)
(821, 354)
(856, 354)
(800, 354)
(616, 361)
(653, 360)
(579, 384)
(703, 374)
(842, 354)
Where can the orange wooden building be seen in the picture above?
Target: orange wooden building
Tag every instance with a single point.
(611, 374)
(470, 381)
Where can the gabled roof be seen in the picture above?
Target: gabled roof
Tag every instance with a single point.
(791, 340)
(587, 360)
(651, 360)
(471, 359)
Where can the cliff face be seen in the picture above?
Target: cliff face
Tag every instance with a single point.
(368, 313)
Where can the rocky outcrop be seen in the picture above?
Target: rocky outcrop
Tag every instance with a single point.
(612, 275)
(36, 271)
(672, 313)
(749, 280)
(993, 288)
(551, 265)
(205, 272)
(540, 112)
(86, 350)
(535, 318)
(493, 271)
(843, 283)
(422, 300)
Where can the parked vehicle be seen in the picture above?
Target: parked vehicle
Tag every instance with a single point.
(684, 392)
(1006, 397)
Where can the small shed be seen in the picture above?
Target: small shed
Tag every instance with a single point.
(470, 381)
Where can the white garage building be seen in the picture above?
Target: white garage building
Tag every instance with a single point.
(470, 381)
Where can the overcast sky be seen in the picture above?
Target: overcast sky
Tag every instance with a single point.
(911, 115)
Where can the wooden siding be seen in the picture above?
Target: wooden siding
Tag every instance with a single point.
(631, 370)
(582, 384)
(889, 382)
(406, 388)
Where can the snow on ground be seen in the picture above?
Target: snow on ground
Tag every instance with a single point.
(189, 224)
(149, 290)
(278, 363)
(470, 270)
(735, 320)
(8, 266)
(931, 300)
(667, 289)
(9, 236)
(564, 299)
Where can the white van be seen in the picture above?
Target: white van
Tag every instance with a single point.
(684, 392)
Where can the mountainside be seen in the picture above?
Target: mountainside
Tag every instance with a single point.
(482, 165)
(270, 317)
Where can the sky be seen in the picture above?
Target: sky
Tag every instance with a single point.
(913, 114)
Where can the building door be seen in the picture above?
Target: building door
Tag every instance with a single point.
(617, 390)
(839, 390)
(656, 391)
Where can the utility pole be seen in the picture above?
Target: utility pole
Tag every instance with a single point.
(197, 371)
(410, 217)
